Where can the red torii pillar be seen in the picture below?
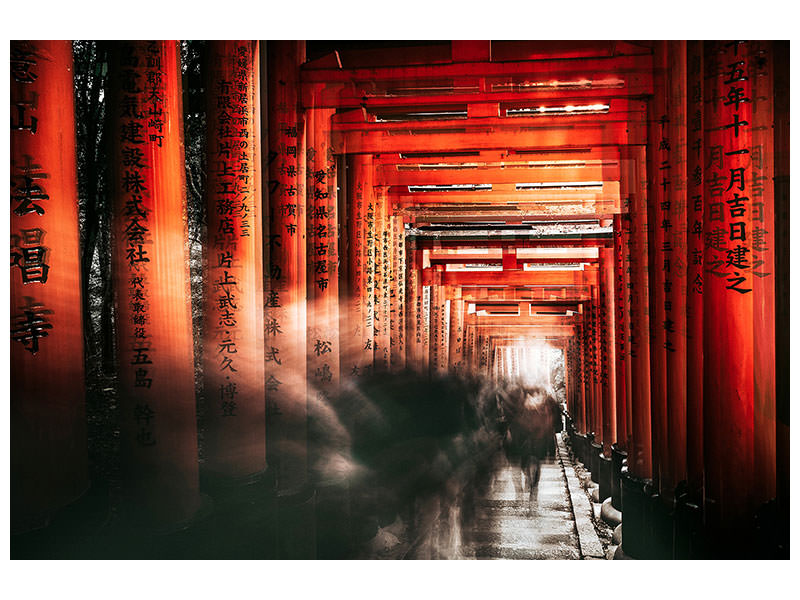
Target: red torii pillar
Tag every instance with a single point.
(398, 294)
(323, 260)
(439, 326)
(763, 253)
(640, 450)
(151, 278)
(456, 334)
(382, 251)
(676, 259)
(694, 270)
(728, 295)
(659, 159)
(359, 336)
(285, 301)
(472, 342)
(414, 306)
(622, 320)
(597, 364)
(636, 534)
(780, 95)
(426, 330)
(233, 349)
(583, 390)
(608, 349)
(47, 392)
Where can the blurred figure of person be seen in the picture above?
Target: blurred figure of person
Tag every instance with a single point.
(531, 415)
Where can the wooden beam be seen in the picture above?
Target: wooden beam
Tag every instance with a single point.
(578, 135)
(391, 176)
(541, 73)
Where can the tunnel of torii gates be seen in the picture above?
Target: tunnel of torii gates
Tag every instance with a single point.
(451, 207)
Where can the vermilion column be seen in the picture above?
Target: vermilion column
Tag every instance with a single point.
(780, 64)
(728, 297)
(472, 342)
(48, 420)
(621, 331)
(485, 346)
(577, 380)
(426, 329)
(662, 334)
(675, 283)
(358, 338)
(151, 281)
(323, 259)
(233, 348)
(398, 294)
(634, 176)
(580, 394)
(285, 300)
(414, 307)
(456, 334)
(763, 251)
(569, 375)
(439, 323)
(434, 324)
(694, 268)
(445, 305)
(382, 249)
(589, 368)
(597, 365)
(608, 349)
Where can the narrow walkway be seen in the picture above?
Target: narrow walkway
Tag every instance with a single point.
(505, 522)
(513, 525)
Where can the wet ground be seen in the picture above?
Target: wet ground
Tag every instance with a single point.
(506, 520)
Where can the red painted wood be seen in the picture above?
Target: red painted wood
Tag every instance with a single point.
(414, 307)
(661, 181)
(675, 294)
(622, 328)
(358, 337)
(150, 266)
(640, 450)
(553, 69)
(728, 348)
(694, 271)
(763, 244)
(47, 393)
(382, 248)
(457, 310)
(398, 294)
(322, 222)
(233, 348)
(285, 300)
(609, 326)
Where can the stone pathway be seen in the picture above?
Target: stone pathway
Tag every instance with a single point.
(508, 523)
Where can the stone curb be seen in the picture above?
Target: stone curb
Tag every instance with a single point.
(590, 546)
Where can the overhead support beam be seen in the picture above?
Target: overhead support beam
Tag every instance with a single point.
(564, 175)
(535, 137)
(606, 194)
(538, 293)
(563, 74)
(491, 114)
(502, 158)
(514, 240)
(510, 278)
